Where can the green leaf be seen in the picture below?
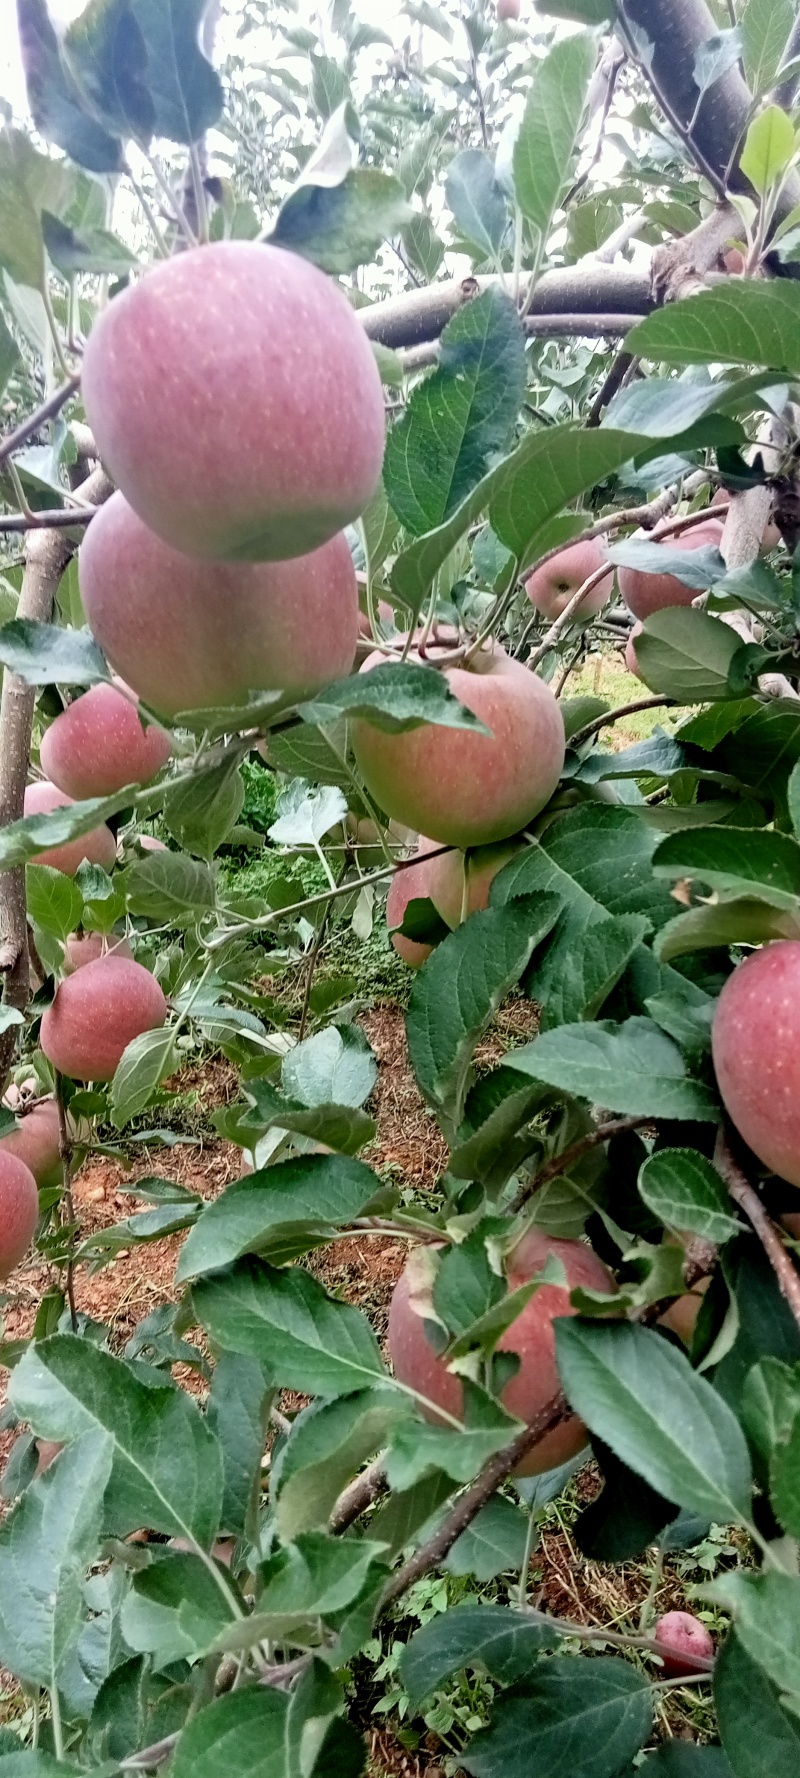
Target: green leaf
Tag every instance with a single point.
(238, 1415)
(403, 1515)
(266, 1212)
(316, 1577)
(146, 1061)
(640, 1394)
(336, 1066)
(46, 1546)
(183, 90)
(306, 1339)
(243, 1732)
(683, 1189)
(768, 148)
(588, 1717)
(21, 840)
(342, 227)
(766, 29)
(174, 1610)
(695, 568)
(416, 1448)
(394, 697)
(324, 1450)
(493, 1544)
(167, 888)
(766, 1609)
(549, 129)
(586, 12)
(476, 200)
(493, 1638)
(741, 321)
(677, 1759)
(735, 861)
(459, 418)
(56, 104)
(167, 1469)
(311, 753)
(743, 921)
(9, 359)
(632, 1068)
(593, 966)
(201, 812)
(461, 986)
(330, 86)
(785, 1478)
(54, 901)
(770, 1404)
(93, 250)
(686, 654)
(41, 654)
(760, 1738)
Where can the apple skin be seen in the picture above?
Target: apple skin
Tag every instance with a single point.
(413, 883)
(681, 1316)
(631, 662)
(464, 789)
(97, 847)
(19, 1211)
(646, 593)
(531, 1335)
(551, 587)
(236, 401)
(87, 947)
(733, 260)
(98, 744)
(37, 1141)
(507, 11)
(191, 635)
(454, 872)
(95, 1015)
(755, 1041)
(685, 1635)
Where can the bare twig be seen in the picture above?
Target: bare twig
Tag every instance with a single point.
(47, 411)
(748, 1200)
(570, 610)
(354, 1499)
(59, 518)
(619, 370)
(560, 1163)
(498, 1468)
(600, 722)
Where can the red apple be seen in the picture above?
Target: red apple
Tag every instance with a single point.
(96, 1013)
(683, 1635)
(551, 587)
(98, 744)
(531, 1335)
(86, 947)
(412, 883)
(236, 401)
(465, 789)
(646, 593)
(631, 661)
(756, 1049)
(190, 635)
(19, 1211)
(97, 847)
(507, 11)
(37, 1141)
(460, 881)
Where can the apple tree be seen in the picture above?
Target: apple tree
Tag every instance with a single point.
(360, 384)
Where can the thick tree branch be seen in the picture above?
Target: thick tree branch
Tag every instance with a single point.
(588, 289)
(497, 1470)
(749, 1201)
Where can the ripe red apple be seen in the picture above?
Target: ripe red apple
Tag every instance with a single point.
(413, 883)
(507, 10)
(531, 1335)
(37, 1141)
(465, 789)
(551, 587)
(733, 260)
(190, 635)
(19, 1211)
(99, 743)
(86, 947)
(646, 593)
(236, 401)
(631, 661)
(95, 1015)
(681, 1316)
(460, 881)
(683, 1635)
(149, 843)
(97, 847)
(755, 1041)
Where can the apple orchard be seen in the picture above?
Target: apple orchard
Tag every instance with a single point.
(399, 508)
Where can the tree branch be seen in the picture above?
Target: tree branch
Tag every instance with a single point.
(61, 518)
(562, 1162)
(357, 1496)
(47, 411)
(588, 289)
(600, 722)
(748, 1200)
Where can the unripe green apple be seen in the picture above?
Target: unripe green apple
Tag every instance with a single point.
(98, 744)
(646, 593)
(96, 1013)
(461, 788)
(81, 948)
(19, 1211)
(97, 847)
(531, 1335)
(755, 1040)
(551, 587)
(683, 1635)
(236, 401)
(412, 883)
(37, 1141)
(460, 881)
(191, 635)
